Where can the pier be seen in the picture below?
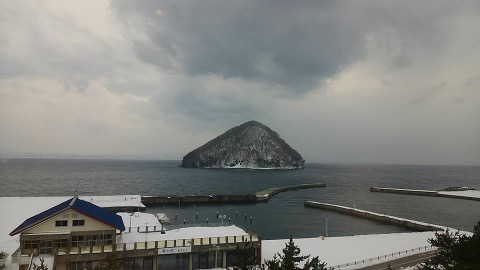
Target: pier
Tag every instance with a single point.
(407, 223)
(261, 196)
(445, 194)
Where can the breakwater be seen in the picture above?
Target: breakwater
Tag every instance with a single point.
(266, 194)
(407, 223)
(190, 199)
(261, 196)
(433, 193)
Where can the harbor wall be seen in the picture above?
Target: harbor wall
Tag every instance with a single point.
(405, 191)
(190, 199)
(422, 193)
(261, 196)
(264, 195)
(410, 224)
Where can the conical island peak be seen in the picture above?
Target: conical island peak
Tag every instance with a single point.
(250, 145)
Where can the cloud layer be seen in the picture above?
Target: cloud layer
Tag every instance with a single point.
(392, 82)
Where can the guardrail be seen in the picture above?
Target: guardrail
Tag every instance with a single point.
(338, 267)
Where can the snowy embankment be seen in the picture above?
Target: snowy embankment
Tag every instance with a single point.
(342, 250)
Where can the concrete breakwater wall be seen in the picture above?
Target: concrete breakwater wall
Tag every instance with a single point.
(156, 200)
(433, 193)
(264, 195)
(405, 191)
(407, 223)
(261, 196)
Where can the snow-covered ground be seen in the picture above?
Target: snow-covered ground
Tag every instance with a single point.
(341, 250)
(464, 193)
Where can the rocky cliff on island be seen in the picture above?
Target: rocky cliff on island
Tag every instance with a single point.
(249, 145)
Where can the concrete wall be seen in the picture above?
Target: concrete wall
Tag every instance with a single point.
(410, 224)
(152, 200)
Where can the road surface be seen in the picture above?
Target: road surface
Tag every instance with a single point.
(411, 260)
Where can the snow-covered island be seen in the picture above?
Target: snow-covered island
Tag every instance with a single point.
(251, 145)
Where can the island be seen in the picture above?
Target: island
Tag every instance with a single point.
(251, 145)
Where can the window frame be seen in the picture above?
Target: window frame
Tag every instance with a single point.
(61, 223)
(78, 222)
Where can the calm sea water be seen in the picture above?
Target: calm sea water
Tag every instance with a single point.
(283, 215)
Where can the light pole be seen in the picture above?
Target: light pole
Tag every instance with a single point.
(130, 228)
(326, 225)
(146, 231)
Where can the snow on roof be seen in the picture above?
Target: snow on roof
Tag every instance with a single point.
(115, 201)
(146, 219)
(138, 219)
(182, 233)
(342, 250)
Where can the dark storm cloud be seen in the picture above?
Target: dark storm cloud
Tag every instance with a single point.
(280, 42)
(192, 107)
(292, 44)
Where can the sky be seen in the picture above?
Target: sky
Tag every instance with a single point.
(341, 81)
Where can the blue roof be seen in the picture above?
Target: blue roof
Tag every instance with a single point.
(89, 209)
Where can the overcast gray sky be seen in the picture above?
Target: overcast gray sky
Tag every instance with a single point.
(340, 81)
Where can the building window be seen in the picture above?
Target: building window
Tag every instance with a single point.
(175, 261)
(91, 240)
(78, 241)
(78, 222)
(31, 244)
(62, 243)
(61, 223)
(206, 260)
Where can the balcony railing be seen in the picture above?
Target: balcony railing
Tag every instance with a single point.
(159, 244)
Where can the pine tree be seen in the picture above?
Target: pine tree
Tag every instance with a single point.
(42, 265)
(455, 251)
(291, 258)
(111, 262)
(315, 264)
(445, 242)
(246, 257)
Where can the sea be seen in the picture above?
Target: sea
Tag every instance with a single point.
(284, 215)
